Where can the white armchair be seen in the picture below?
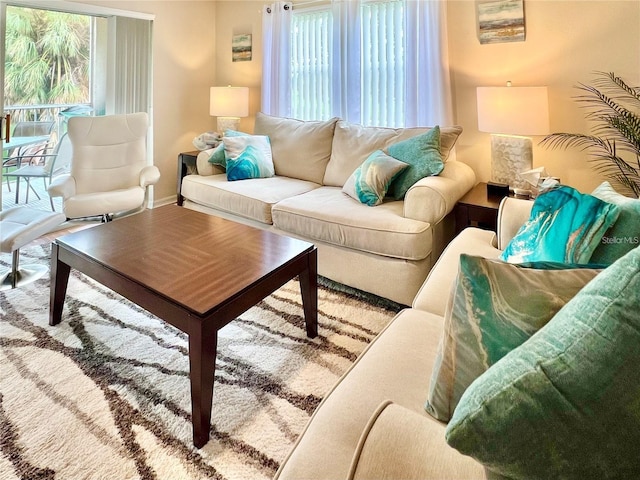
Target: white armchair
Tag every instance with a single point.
(109, 172)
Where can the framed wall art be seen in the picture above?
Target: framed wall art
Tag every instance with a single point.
(241, 48)
(500, 21)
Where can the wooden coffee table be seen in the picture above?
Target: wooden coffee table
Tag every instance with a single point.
(195, 271)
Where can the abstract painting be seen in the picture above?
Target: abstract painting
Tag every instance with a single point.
(500, 21)
(241, 48)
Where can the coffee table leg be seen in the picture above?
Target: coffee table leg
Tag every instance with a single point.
(309, 289)
(202, 367)
(59, 273)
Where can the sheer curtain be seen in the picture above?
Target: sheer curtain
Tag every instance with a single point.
(276, 59)
(387, 63)
(427, 79)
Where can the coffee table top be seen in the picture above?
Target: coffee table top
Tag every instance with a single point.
(196, 260)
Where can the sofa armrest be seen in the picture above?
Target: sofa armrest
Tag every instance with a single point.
(203, 166)
(435, 291)
(400, 443)
(432, 198)
(512, 214)
(62, 186)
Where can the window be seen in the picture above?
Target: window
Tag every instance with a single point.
(381, 60)
(373, 62)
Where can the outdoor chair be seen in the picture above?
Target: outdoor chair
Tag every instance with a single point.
(56, 163)
(27, 129)
(109, 168)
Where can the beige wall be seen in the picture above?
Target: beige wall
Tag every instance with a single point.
(566, 41)
(184, 49)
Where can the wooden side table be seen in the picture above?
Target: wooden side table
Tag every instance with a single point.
(186, 165)
(477, 209)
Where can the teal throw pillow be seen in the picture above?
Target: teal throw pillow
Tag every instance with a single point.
(248, 156)
(495, 307)
(422, 153)
(369, 182)
(565, 226)
(566, 403)
(217, 156)
(624, 235)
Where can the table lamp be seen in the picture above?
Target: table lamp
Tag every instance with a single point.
(508, 113)
(228, 104)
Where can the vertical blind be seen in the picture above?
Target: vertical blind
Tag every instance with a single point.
(311, 65)
(382, 82)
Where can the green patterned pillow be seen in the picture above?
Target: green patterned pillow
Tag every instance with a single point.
(370, 181)
(496, 306)
(625, 233)
(565, 226)
(217, 156)
(248, 156)
(422, 153)
(566, 403)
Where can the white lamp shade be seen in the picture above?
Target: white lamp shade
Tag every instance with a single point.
(229, 102)
(513, 110)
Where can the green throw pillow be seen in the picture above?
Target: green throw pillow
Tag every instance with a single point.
(566, 403)
(565, 226)
(422, 153)
(496, 307)
(369, 182)
(625, 233)
(217, 156)
(248, 156)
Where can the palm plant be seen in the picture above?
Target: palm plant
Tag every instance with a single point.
(614, 145)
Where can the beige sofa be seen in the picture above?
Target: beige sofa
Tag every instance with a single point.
(373, 425)
(388, 249)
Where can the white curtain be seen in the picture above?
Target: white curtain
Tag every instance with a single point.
(346, 101)
(276, 59)
(428, 83)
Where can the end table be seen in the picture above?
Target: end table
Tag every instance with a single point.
(477, 209)
(186, 165)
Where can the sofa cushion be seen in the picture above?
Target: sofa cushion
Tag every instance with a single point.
(328, 215)
(422, 153)
(301, 149)
(565, 226)
(353, 143)
(399, 443)
(566, 403)
(247, 157)
(326, 447)
(625, 233)
(370, 181)
(494, 308)
(252, 199)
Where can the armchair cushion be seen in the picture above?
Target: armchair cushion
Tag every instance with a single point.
(63, 186)
(565, 403)
(149, 175)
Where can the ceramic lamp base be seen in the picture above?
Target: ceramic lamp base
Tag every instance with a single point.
(510, 156)
(227, 123)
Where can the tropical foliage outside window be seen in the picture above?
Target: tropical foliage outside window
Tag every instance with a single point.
(47, 57)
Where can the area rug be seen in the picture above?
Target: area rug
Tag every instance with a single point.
(105, 394)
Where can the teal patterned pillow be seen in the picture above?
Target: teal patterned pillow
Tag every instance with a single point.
(217, 156)
(624, 235)
(566, 403)
(495, 307)
(248, 156)
(370, 181)
(565, 226)
(422, 153)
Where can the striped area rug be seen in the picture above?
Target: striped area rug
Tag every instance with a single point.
(105, 395)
